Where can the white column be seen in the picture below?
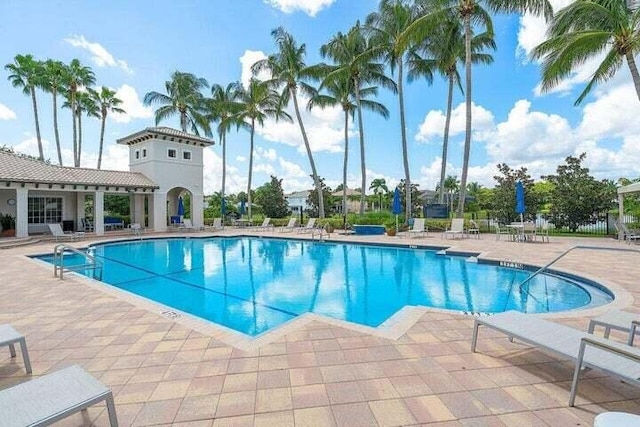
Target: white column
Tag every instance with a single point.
(80, 199)
(22, 218)
(137, 208)
(197, 214)
(620, 215)
(159, 212)
(98, 213)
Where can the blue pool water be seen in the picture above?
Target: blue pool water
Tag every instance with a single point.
(252, 285)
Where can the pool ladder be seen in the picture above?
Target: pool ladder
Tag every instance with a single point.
(91, 263)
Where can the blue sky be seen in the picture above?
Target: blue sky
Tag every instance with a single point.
(133, 47)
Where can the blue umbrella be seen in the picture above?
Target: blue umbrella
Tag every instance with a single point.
(396, 208)
(180, 207)
(520, 207)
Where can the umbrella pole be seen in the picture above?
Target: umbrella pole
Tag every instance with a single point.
(397, 225)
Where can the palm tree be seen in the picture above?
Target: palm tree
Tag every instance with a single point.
(445, 48)
(287, 68)
(341, 91)
(387, 26)
(223, 107)
(379, 187)
(354, 56)
(184, 99)
(451, 186)
(84, 104)
(27, 73)
(78, 76)
(258, 102)
(106, 101)
(54, 82)
(585, 29)
(468, 11)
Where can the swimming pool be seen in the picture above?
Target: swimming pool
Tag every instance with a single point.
(254, 284)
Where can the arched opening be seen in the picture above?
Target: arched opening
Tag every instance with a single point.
(179, 205)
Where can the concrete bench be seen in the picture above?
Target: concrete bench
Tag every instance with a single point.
(52, 397)
(9, 336)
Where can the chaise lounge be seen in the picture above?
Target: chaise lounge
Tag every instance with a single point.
(586, 350)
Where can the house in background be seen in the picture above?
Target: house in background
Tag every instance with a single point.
(298, 201)
(163, 164)
(353, 201)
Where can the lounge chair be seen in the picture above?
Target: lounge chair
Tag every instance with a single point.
(291, 225)
(217, 224)
(585, 349)
(618, 320)
(311, 225)
(266, 225)
(11, 337)
(57, 232)
(188, 225)
(456, 229)
(52, 397)
(628, 235)
(419, 228)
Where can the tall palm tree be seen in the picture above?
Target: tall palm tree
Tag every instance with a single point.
(259, 101)
(585, 29)
(444, 50)
(354, 56)
(387, 25)
(379, 187)
(78, 77)
(84, 104)
(54, 82)
(451, 186)
(26, 73)
(106, 102)
(341, 90)
(184, 99)
(288, 69)
(431, 12)
(223, 107)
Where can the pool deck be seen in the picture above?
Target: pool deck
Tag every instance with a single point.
(419, 370)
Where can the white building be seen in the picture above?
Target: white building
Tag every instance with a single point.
(163, 162)
(298, 201)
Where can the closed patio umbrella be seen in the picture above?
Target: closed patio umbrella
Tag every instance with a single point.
(520, 206)
(396, 208)
(180, 208)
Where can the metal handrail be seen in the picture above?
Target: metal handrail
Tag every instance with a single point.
(541, 269)
(58, 260)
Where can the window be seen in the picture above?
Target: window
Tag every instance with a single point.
(144, 152)
(137, 154)
(44, 210)
(186, 155)
(171, 153)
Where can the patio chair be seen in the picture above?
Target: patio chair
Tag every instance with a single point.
(583, 348)
(628, 235)
(52, 397)
(11, 337)
(311, 225)
(291, 225)
(473, 229)
(419, 228)
(618, 320)
(529, 232)
(217, 224)
(188, 225)
(135, 228)
(456, 229)
(86, 224)
(57, 232)
(543, 232)
(503, 232)
(266, 225)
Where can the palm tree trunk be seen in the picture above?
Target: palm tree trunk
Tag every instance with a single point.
(405, 151)
(316, 180)
(250, 168)
(35, 115)
(634, 71)
(79, 137)
(344, 165)
(75, 129)
(363, 167)
(223, 142)
(55, 124)
(104, 119)
(183, 121)
(467, 137)
(445, 142)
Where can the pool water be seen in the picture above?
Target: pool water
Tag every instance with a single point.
(254, 284)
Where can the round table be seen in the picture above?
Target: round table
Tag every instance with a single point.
(616, 419)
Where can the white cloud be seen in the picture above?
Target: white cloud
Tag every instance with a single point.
(310, 7)
(249, 58)
(533, 29)
(131, 103)
(291, 170)
(100, 56)
(432, 128)
(241, 159)
(613, 113)
(235, 181)
(7, 113)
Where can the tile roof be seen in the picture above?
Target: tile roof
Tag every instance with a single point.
(164, 132)
(14, 168)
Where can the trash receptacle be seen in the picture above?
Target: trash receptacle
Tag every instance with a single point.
(67, 225)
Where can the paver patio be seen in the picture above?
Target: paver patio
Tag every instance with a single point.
(315, 373)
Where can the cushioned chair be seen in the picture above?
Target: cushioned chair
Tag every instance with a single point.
(11, 337)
